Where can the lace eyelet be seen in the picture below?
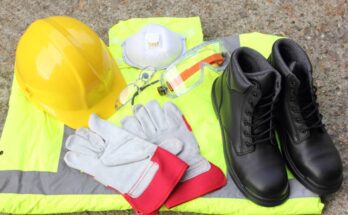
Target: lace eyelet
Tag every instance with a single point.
(245, 122)
(255, 94)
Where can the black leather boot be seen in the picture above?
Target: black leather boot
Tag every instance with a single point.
(243, 98)
(306, 145)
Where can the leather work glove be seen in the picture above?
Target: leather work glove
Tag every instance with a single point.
(142, 172)
(164, 127)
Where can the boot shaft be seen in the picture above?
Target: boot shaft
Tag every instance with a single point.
(247, 91)
(299, 111)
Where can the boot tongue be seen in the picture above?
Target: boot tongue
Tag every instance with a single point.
(265, 79)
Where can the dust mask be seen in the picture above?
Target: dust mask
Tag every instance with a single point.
(154, 46)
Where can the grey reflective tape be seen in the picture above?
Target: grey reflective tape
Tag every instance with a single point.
(231, 43)
(65, 181)
(297, 190)
(71, 181)
(230, 190)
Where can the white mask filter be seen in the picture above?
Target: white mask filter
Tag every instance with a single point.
(154, 46)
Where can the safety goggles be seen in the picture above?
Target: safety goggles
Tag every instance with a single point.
(188, 71)
(129, 93)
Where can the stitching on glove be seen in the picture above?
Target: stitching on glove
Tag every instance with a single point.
(141, 179)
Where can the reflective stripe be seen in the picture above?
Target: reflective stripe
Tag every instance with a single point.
(231, 191)
(71, 181)
(65, 181)
(231, 42)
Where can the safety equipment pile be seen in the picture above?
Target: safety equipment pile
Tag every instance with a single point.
(139, 161)
(33, 175)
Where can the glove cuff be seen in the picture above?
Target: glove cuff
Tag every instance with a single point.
(197, 186)
(170, 171)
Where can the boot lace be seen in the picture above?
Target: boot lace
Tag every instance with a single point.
(307, 104)
(309, 108)
(262, 125)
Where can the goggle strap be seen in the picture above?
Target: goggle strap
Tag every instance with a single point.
(212, 59)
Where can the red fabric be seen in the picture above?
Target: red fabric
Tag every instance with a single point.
(171, 169)
(197, 186)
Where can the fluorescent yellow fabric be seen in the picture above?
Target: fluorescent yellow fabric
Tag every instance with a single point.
(42, 204)
(245, 207)
(258, 41)
(31, 139)
(46, 204)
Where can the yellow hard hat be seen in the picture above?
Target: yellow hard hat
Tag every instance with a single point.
(64, 68)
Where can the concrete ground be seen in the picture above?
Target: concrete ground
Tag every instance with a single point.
(320, 26)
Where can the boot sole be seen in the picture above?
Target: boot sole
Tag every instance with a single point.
(307, 182)
(250, 195)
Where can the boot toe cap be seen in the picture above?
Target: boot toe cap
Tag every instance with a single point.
(325, 169)
(269, 183)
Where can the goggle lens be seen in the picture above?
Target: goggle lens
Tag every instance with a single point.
(187, 71)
